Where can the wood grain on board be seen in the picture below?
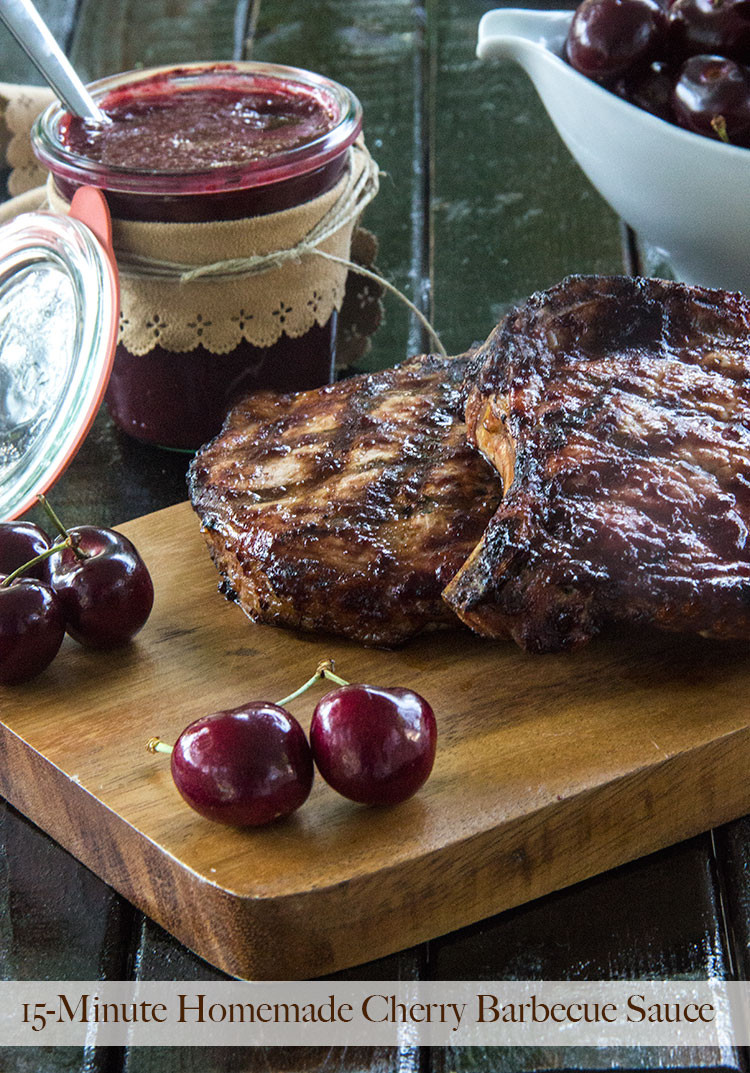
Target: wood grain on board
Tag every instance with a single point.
(549, 770)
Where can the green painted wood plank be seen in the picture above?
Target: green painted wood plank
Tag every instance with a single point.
(119, 35)
(14, 64)
(57, 921)
(657, 918)
(160, 958)
(374, 47)
(511, 211)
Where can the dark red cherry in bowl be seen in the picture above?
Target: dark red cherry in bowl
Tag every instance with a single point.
(608, 37)
(710, 27)
(246, 766)
(375, 746)
(20, 542)
(712, 97)
(649, 88)
(104, 587)
(32, 627)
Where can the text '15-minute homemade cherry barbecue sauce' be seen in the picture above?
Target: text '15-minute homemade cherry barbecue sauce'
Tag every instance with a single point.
(195, 144)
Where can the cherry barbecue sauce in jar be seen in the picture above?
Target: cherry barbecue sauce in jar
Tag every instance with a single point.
(195, 144)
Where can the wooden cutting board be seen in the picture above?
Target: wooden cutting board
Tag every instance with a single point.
(549, 769)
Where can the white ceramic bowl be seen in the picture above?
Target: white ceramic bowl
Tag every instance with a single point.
(687, 194)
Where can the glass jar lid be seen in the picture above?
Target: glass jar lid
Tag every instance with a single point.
(59, 308)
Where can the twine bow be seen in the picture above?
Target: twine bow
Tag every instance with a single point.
(361, 187)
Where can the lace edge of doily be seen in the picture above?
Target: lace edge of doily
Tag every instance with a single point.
(155, 329)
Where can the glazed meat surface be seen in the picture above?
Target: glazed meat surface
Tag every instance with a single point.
(347, 509)
(617, 412)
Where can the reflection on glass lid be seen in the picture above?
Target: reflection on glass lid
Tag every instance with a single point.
(57, 303)
(37, 335)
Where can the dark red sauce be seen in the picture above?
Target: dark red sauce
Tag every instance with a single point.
(230, 204)
(143, 391)
(161, 126)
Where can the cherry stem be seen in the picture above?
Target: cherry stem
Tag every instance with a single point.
(60, 527)
(719, 125)
(19, 571)
(156, 745)
(323, 670)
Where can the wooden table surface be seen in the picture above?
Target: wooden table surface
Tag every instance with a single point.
(481, 205)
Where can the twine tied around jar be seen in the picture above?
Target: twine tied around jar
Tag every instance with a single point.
(203, 297)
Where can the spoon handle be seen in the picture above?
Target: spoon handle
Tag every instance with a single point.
(32, 33)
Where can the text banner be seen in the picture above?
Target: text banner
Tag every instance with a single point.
(703, 1013)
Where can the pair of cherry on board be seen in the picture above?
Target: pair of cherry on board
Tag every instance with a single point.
(253, 764)
(246, 766)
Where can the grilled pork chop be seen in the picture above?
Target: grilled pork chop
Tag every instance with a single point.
(347, 509)
(617, 412)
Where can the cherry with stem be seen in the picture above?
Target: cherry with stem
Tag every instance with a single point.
(325, 669)
(375, 746)
(103, 584)
(53, 517)
(246, 766)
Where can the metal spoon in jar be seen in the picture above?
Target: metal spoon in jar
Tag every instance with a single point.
(33, 34)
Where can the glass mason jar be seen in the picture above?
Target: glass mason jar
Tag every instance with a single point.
(179, 400)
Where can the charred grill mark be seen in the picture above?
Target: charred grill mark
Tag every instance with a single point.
(381, 502)
(629, 408)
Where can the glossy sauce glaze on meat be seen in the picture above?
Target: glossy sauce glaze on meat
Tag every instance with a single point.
(617, 412)
(349, 508)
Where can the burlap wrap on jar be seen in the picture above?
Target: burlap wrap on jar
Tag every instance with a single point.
(362, 309)
(257, 277)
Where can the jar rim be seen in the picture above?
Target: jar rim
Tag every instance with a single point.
(289, 163)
